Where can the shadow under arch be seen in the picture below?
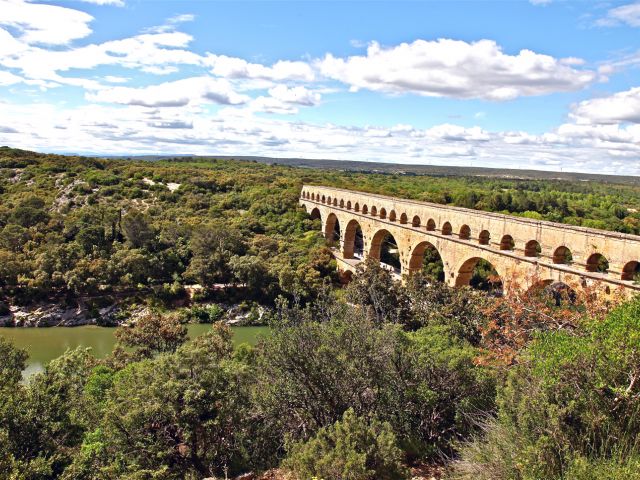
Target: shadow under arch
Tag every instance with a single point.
(480, 274)
(315, 214)
(426, 258)
(353, 240)
(384, 248)
(332, 229)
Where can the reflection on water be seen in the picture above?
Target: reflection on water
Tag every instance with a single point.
(45, 344)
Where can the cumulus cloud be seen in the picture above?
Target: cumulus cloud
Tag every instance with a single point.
(232, 67)
(178, 93)
(296, 95)
(617, 108)
(454, 68)
(623, 15)
(44, 24)
(115, 3)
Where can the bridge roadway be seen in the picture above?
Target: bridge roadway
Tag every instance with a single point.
(523, 251)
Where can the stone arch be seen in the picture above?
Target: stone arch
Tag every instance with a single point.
(431, 225)
(356, 207)
(481, 274)
(348, 204)
(332, 228)
(392, 216)
(562, 255)
(507, 243)
(447, 229)
(353, 240)
(484, 238)
(313, 196)
(384, 248)
(383, 213)
(415, 222)
(403, 219)
(328, 200)
(341, 203)
(597, 263)
(532, 249)
(435, 266)
(374, 211)
(631, 271)
(365, 209)
(315, 213)
(465, 232)
(323, 199)
(335, 202)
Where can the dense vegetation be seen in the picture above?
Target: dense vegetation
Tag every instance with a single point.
(80, 227)
(362, 382)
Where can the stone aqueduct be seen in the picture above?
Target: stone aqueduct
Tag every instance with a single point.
(523, 251)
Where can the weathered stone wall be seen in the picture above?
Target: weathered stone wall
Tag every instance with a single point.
(521, 250)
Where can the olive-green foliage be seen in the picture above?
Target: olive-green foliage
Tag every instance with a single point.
(176, 416)
(152, 333)
(571, 397)
(351, 449)
(425, 384)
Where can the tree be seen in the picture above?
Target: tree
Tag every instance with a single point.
(137, 229)
(152, 333)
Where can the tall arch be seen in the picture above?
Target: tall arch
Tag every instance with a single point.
(431, 225)
(597, 263)
(447, 229)
(315, 213)
(415, 222)
(313, 196)
(532, 249)
(631, 271)
(426, 258)
(484, 238)
(353, 240)
(403, 219)
(332, 229)
(480, 274)
(328, 200)
(384, 248)
(465, 232)
(562, 255)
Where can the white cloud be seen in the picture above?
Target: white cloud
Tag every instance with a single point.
(624, 14)
(616, 108)
(232, 67)
(296, 95)
(44, 24)
(115, 3)
(182, 18)
(454, 68)
(115, 79)
(179, 93)
(8, 78)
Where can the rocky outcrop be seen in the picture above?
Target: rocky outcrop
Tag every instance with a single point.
(54, 315)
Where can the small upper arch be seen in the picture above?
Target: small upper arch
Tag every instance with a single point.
(562, 255)
(447, 229)
(631, 271)
(335, 202)
(465, 232)
(392, 216)
(341, 203)
(431, 225)
(507, 243)
(597, 263)
(383, 213)
(484, 238)
(365, 209)
(356, 207)
(323, 199)
(374, 211)
(403, 219)
(532, 249)
(415, 222)
(348, 204)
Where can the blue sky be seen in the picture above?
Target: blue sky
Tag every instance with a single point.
(551, 85)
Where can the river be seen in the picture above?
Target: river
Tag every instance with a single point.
(45, 344)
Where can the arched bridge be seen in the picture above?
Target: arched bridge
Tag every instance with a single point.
(522, 251)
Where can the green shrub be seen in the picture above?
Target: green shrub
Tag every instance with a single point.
(351, 449)
(206, 313)
(571, 397)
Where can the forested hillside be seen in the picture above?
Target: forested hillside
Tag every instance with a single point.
(86, 227)
(375, 380)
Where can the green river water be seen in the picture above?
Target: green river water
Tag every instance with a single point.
(45, 344)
